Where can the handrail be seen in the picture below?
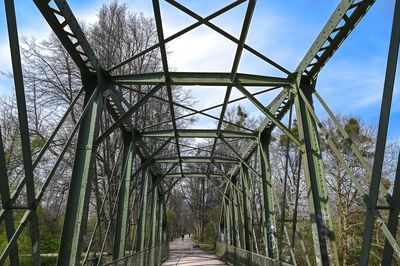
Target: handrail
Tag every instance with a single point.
(238, 256)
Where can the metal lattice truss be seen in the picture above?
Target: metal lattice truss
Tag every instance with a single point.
(102, 93)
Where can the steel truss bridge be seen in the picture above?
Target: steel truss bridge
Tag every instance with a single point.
(100, 94)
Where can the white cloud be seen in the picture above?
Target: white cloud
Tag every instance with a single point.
(201, 50)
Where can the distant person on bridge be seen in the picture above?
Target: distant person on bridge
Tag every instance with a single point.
(183, 236)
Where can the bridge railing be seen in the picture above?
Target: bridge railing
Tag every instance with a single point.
(147, 257)
(237, 256)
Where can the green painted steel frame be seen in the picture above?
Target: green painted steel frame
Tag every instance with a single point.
(5, 201)
(201, 79)
(268, 200)
(123, 197)
(80, 186)
(247, 214)
(372, 201)
(322, 224)
(24, 132)
(297, 89)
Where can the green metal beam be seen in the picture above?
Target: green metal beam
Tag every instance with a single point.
(235, 212)
(268, 199)
(192, 175)
(143, 150)
(235, 66)
(164, 61)
(343, 20)
(100, 210)
(59, 18)
(170, 187)
(23, 127)
(380, 147)
(228, 178)
(14, 195)
(141, 227)
(5, 199)
(153, 220)
(18, 231)
(148, 158)
(242, 160)
(179, 33)
(161, 227)
(128, 113)
(121, 223)
(193, 111)
(219, 189)
(64, 24)
(28, 213)
(204, 148)
(247, 210)
(354, 179)
(278, 106)
(194, 160)
(80, 186)
(393, 219)
(198, 78)
(202, 111)
(285, 231)
(227, 35)
(227, 222)
(197, 133)
(322, 226)
(268, 114)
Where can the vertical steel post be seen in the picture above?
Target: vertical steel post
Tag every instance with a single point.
(247, 212)
(23, 126)
(234, 211)
(227, 225)
(268, 199)
(241, 215)
(393, 217)
(153, 220)
(164, 228)
(322, 226)
(231, 222)
(121, 223)
(5, 198)
(160, 228)
(80, 187)
(141, 229)
(381, 138)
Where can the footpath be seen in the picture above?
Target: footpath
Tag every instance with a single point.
(183, 253)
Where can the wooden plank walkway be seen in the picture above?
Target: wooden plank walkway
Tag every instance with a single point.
(183, 253)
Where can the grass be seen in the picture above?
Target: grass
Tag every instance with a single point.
(207, 247)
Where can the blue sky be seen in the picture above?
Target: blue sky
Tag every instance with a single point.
(351, 83)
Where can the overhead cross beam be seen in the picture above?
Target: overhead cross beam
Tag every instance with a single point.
(198, 78)
(197, 133)
(194, 160)
(192, 175)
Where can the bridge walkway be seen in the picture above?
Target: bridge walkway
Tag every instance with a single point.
(183, 253)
